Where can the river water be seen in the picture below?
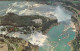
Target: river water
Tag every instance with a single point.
(57, 38)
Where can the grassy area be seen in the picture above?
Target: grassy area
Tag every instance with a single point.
(20, 48)
(10, 48)
(79, 17)
(75, 2)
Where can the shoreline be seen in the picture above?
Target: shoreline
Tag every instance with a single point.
(47, 30)
(69, 43)
(76, 23)
(76, 33)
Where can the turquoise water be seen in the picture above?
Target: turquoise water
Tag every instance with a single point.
(54, 36)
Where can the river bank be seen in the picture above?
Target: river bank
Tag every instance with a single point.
(46, 27)
(47, 30)
(73, 43)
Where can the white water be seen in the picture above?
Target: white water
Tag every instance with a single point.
(38, 39)
(35, 38)
(62, 14)
(32, 8)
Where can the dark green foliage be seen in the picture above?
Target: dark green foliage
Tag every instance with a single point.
(3, 29)
(14, 20)
(46, 25)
